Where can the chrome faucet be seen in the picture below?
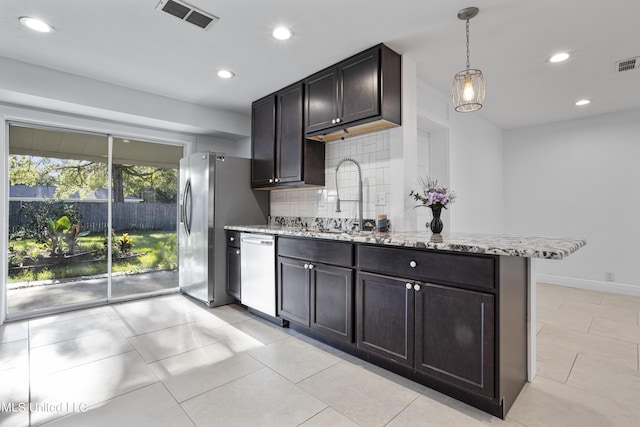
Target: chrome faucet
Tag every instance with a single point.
(359, 200)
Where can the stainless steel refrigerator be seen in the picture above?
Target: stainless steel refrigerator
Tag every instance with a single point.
(215, 190)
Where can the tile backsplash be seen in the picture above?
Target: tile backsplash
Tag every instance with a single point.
(372, 152)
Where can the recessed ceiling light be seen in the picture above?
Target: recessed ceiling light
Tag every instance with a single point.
(560, 57)
(225, 74)
(282, 33)
(36, 24)
(583, 102)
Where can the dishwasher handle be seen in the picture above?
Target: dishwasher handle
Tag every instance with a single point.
(257, 241)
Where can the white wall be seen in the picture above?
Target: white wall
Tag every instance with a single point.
(476, 174)
(579, 178)
(39, 87)
(240, 148)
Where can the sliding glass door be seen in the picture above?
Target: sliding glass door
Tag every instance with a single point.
(145, 183)
(79, 210)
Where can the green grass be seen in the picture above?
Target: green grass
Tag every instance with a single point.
(158, 249)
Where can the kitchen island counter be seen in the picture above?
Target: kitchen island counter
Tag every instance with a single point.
(490, 244)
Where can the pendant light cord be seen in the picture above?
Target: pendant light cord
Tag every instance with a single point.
(468, 44)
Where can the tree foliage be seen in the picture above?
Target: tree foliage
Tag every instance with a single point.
(153, 185)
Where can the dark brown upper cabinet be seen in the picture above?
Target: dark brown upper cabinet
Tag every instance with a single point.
(281, 156)
(263, 141)
(360, 94)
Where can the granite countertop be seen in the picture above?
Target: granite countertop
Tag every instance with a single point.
(492, 244)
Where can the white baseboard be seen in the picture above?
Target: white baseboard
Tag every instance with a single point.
(592, 285)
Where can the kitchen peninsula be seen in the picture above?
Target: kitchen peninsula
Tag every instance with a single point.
(455, 312)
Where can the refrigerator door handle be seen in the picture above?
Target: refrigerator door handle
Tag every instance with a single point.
(187, 207)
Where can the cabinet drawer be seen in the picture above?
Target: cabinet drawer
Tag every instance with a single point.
(337, 253)
(429, 265)
(233, 238)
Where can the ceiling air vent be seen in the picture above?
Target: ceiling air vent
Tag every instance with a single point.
(628, 64)
(188, 13)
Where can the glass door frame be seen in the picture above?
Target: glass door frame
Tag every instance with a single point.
(4, 235)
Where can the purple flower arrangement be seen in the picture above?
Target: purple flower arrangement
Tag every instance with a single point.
(433, 195)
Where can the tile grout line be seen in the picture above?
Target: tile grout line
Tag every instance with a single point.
(83, 364)
(571, 370)
(217, 387)
(174, 398)
(77, 336)
(590, 325)
(404, 409)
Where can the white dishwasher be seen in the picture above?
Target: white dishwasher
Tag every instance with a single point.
(258, 272)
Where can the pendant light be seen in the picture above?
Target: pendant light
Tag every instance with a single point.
(468, 84)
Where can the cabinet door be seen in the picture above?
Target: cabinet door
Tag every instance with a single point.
(321, 105)
(289, 134)
(332, 301)
(233, 272)
(358, 87)
(263, 139)
(385, 317)
(293, 290)
(455, 337)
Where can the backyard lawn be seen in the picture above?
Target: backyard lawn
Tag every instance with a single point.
(137, 251)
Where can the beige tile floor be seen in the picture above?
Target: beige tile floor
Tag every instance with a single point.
(168, 361)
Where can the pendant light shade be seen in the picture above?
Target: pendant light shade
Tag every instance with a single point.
(468, 85)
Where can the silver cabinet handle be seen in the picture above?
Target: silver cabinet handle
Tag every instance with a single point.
(310, 266)
(270, 180)
(333, 121)
(416, 287)
(238, 252)
(338, 120)
(277, 180)
(232, 239)
(306, 266)
(413, 264)
(409, 286)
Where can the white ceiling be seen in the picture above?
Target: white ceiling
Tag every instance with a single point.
(130, 43)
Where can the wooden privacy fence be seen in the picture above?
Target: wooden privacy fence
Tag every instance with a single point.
(126, 216)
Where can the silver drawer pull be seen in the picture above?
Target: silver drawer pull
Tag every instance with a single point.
(306, 266)
(413, 264)
(238, 252)
(416, 287)
(409, 285)
(232, 238)
(310, 266)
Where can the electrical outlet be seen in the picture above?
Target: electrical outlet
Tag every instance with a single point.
(381, 198)
(609, 276)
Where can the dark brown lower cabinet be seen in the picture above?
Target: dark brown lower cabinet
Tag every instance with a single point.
(233, 272)
(385, 317)
(293, 290)
(317, 296)
(444, 332)
(454, 336)
(332, 301)
(455, 322)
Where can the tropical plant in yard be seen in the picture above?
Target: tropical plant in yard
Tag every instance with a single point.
(62, 231)
(125, 243)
